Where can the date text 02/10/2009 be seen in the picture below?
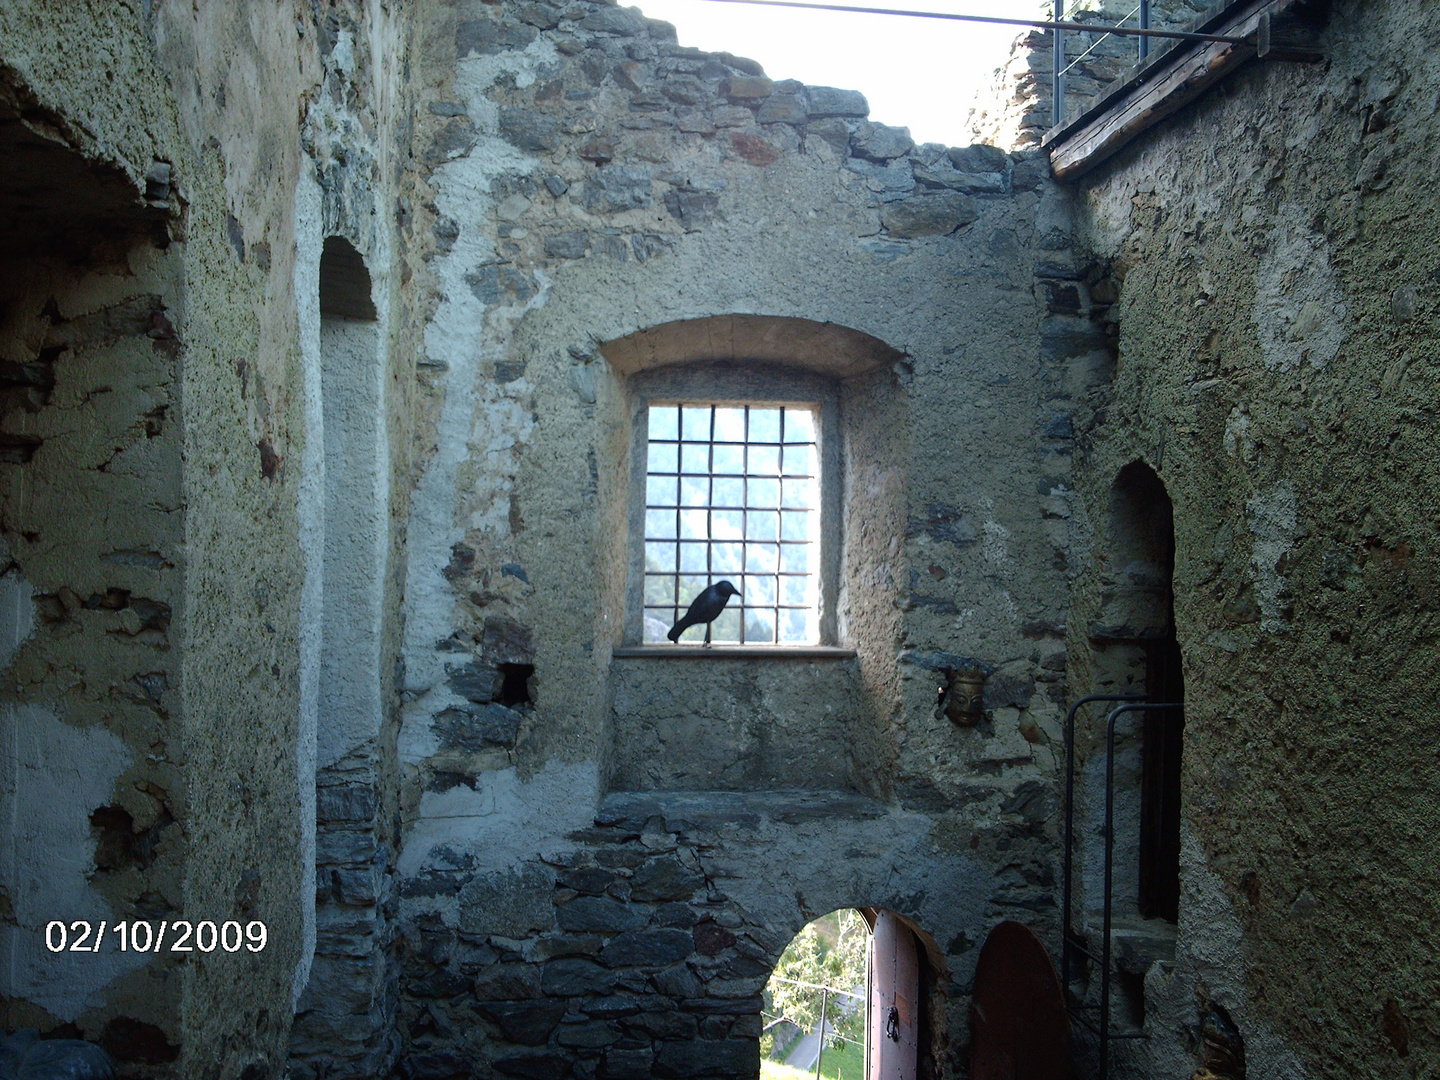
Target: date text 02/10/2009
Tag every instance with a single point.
(180, 936)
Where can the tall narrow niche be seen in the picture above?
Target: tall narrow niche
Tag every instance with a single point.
(352, 385)
(1140, 619)
(349, 711)
(1135, 651)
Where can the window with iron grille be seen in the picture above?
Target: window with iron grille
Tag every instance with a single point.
(732, 492)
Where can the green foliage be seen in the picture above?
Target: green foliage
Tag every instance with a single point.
(829, 952)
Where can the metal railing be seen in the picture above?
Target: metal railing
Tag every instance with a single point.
(1070, 943)
(841, 1032)
(1057, 87)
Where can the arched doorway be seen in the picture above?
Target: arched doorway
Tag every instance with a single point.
(1127, 794)
(848, 1001)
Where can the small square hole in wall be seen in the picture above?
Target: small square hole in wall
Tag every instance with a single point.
(732, 493)
(515, 684)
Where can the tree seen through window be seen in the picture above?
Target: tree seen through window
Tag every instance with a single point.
(732, 493)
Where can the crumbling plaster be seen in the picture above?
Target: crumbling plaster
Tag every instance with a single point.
(187, 534)
(590, 182)
(1276, 367)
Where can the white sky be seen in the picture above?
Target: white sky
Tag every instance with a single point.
(916, 73)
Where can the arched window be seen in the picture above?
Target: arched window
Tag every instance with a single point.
(738, 447)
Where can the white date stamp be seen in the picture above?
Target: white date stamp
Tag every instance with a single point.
(141, 936)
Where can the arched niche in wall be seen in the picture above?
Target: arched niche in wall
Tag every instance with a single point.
(352, 388)
(849, 379)
(344, 528)
(1136, 602)
(94, 811)
(1141, 564)
(1135, 651)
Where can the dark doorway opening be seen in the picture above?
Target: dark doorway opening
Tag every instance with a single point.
(1142, 527)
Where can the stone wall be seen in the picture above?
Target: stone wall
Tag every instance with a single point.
(589, 183)
(1274, 301)
(156, 431)
(1019, 106)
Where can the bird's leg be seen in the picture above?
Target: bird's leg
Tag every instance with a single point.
(707, 634)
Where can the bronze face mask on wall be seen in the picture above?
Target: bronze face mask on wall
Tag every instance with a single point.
(963, 701)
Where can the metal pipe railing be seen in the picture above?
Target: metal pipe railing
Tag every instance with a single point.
(1057, 81)
(1066, 888)
(1107, 914)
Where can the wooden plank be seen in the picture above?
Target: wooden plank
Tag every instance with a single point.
(1101, 132)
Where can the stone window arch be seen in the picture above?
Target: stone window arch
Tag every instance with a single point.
(754, 360)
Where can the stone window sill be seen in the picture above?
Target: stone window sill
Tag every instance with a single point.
(733, 652)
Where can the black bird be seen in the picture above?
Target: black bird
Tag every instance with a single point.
(706, 609)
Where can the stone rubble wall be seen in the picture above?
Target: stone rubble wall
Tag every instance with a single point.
(1018, 108)
(1275, 301)
(587, 178)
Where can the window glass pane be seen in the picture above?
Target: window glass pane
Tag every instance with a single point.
(760, 626)
(796, 557)
(795, 627)
(729, 458)
(728, 493)
(694, 525)
(718, 478)
(727, 524)
(695, 422)
(695, 457)
(761, 558)
(764, 461)
(692, 558)
(763, 493)
(727, 558)
(726, 626)
(694, 491)
(659, 589)
(660, 491)
(655, 626)
(799, 425)
(794, 590)
(799, 493)
(660, 559)
(798, 461)
(762, 525)
(730, 425)
(663, 457)
(758, 590)
(691, 586)
(764, 425)
(664, 422)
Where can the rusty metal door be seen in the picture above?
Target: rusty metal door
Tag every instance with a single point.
(1019, 1028)
(894, 999)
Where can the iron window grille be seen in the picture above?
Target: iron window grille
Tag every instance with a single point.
(732, 492)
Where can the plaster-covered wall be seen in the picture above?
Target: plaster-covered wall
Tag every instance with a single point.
(590, 181)
(1277, 368)
(154, 441)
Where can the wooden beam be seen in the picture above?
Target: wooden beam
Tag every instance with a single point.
(1175, 79)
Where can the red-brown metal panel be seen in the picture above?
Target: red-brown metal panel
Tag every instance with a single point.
(1019, 1029)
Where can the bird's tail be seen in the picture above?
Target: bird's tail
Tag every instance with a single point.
(675, 631)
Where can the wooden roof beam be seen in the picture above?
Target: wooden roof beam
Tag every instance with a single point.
(1165, 83)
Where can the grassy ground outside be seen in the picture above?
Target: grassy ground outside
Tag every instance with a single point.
(845, 1063)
